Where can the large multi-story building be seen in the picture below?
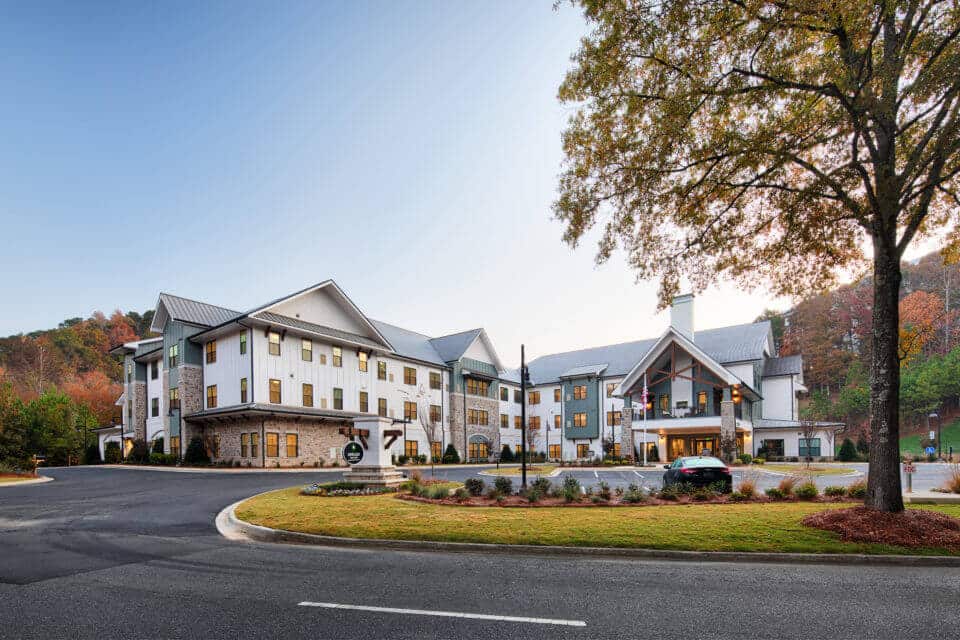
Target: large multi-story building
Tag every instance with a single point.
(277, 385)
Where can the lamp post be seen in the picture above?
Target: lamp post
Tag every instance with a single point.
(524, 378)
(939, 439)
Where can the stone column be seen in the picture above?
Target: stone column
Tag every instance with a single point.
(376, 467)
(139, 392)
(728, 425)
(626, 429)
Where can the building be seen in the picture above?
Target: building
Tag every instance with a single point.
(278, 384)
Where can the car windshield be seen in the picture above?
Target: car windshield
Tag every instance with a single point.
(703, 461)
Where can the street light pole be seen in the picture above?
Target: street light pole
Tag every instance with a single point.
(939, 436)
(463, 388)
(523, 418)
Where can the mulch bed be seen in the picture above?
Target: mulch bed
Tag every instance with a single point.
(520, 501)
(16, 475)
(911, 528)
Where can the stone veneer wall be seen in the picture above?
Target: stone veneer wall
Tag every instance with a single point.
(491, 431)
(191, 398)
(165, 407)
(139, 392)
(316, 441)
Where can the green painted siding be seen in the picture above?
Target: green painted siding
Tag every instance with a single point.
(179, 333)
(589, 405)
(456, 375)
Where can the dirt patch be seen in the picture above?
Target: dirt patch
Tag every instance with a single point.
(911, 528)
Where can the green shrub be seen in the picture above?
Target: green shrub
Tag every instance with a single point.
(745, 458)
(157, 446)
(633, 494)
(91, 455)
(702, 494)
(807, 491)
(506, 454)
(534, 494)
(571, 489)
(461, 494)
(111, 453)
(503, 485)
(848, 451)
(759, 460)
(604, 492)
(474, 486)
(402, 460)
(196, 453)
(450, 456)
(543, 485)
(858, 489)
(437, 492)
(139, 453)
(671, 493)
(737, 496)
(835, 491)
(774, 493)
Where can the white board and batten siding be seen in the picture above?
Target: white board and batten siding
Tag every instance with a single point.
(227, 371)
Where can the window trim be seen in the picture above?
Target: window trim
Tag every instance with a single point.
(296, 445)
(210, 352)
(304, 396)
(211, 388)
(279, 388)
(275, 446)
(271, 343)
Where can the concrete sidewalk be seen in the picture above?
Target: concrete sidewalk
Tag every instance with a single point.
(931, 497)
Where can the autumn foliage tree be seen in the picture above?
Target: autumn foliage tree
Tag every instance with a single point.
(921, 317)
(769, 142)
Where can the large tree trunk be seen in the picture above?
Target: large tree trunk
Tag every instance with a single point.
(883, 486)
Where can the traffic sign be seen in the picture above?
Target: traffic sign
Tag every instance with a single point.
(930, 450)
(909, 468)
(352, 452)
(933, 435)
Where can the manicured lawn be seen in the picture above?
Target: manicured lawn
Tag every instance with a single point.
(728, 527)
(532, 470)
(11, 479)
(813, 470)
(951, 437)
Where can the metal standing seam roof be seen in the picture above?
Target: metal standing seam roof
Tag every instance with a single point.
(738, 343)
(453, 346)
(194, 312)
(297, 323)
(783, 366)
(409, 344)
(585, 370)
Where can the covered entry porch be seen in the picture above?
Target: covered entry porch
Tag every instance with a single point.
(677, 443)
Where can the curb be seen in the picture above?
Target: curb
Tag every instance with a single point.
(233, 528)
(224, 470)
(24, 483)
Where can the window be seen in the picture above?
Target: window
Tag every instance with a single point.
(293, 445)
(381, 370)
(809, 447)
(504, 421)
(517, 424)
(382, 407)
(435, 413)
(434, 379)
(244, 444)
(556, 421)
(554, 451)
(580, 419)
(337, 357)
(409, 375)
(702, 402)
(212, 396)
(477, 416)
(175, 446)
(174, 398)
(436, 450)
(410, 448)
(274, 391)
(273, 340)
(556, 395)
(306, 350)
(243, 390)
(504, 394)
(211, 351)
(243, 343)
(534, 397)
(580, 392)
(364, 402)
(477, 387)
(338, 399)
(409, 410)
(362, 359)
(173, 356)
(610, 387)
(154, 369)
(154, 407)
(254, 445)
(534, 422)
(273, 445)
(307, 395)
(583, 451)
(665, 403)
(517, 396)
(613, 418)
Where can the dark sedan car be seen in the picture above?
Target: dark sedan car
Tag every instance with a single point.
(701, 471)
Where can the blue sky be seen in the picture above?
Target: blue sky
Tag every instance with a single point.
(233, 152)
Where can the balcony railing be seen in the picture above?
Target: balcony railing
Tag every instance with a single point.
(682, 413)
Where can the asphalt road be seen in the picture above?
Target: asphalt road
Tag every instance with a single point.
(117, 553)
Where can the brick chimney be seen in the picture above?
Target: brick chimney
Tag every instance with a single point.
(681, 315)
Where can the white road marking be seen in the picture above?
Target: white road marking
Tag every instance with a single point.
(446, 614)
(637, 474)
(596, 475)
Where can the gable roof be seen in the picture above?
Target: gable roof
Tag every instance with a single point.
(783, 366)
(303, 325)
(410, 344)
(174, 307)
(585, 370)
(453, 346)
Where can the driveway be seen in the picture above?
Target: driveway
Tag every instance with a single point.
(119, 553)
